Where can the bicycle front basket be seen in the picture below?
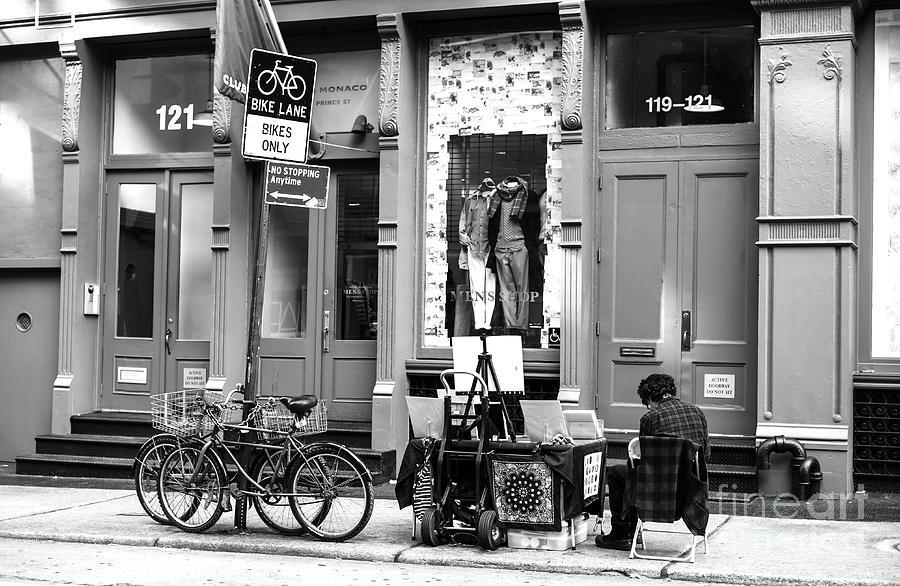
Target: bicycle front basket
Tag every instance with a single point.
(276, 417)
(179, 413)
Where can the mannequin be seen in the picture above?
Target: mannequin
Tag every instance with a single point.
(473, 237)
(507, 209)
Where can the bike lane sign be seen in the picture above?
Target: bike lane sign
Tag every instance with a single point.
(279, 107)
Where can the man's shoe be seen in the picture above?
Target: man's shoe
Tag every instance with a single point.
(618, 542)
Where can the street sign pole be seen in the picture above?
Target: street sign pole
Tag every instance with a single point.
(256, 306)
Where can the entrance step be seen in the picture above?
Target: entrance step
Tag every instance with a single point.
(104, 444)
(80, 466)
(113, 423)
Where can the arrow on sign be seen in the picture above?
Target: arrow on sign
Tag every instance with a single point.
(280, 195)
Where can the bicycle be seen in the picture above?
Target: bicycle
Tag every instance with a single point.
(325, 487)
(269, 80)
(145, 472)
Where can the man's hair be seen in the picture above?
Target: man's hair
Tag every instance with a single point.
(654, 387)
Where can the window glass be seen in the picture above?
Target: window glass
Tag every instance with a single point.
(492, 193)
(136, 260)
(162, 105)
(680, 78)
(196, 263)
(357, 256)
(287, 263)
(886, 188)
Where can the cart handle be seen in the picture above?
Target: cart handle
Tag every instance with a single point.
(475, 375)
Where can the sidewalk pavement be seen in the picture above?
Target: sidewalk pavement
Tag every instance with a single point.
(743, 550)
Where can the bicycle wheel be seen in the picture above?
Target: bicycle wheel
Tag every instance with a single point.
(333, 492)
(146, 467)
(274, 509)
(191, 489)
(267, 82)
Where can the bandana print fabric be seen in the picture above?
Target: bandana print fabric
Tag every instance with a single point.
(523, 492)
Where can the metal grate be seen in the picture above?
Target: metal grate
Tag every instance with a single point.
(472, 159)
(24, 322)
(876, 437)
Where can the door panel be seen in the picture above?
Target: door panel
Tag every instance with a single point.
(133, 325)
(158, 286)
(189, 311)
(637, 277)
(677, 288)
(290, 342)
(718, 372)
(351, 282)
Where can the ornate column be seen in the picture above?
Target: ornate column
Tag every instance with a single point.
(577, 164)
(221, 235)
(389, 129)
(808, 228)
(63, 404)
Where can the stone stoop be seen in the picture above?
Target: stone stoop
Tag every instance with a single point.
(103, 445)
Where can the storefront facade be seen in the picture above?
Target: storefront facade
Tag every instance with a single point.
(682, 188)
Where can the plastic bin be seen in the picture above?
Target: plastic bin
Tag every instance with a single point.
(552, 540)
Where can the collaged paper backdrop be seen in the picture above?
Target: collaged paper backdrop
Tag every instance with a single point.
(492, 84)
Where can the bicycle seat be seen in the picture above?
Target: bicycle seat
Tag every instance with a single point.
(299, 405)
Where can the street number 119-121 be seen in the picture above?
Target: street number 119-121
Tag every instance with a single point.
(665, 103)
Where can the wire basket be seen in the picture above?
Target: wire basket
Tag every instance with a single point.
(180, 413)
(276, 417)
(230, 413)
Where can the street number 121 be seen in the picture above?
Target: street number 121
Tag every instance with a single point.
(175, 114)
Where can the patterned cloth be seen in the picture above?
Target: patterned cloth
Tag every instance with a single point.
(525, 492)
(513, 189)
(668, 487)
(676, 418)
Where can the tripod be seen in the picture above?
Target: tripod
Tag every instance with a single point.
(485, 369)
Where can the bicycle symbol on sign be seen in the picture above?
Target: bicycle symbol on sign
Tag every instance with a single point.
(291, 85)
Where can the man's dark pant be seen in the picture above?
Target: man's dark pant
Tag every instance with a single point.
(617, 480)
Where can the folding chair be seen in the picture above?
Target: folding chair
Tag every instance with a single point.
(661, 456)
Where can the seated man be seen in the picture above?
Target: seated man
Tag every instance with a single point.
(668, 415)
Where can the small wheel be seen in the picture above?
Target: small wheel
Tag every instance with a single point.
(490, 534)
(431, 527)
(191, 489)
(147, 463)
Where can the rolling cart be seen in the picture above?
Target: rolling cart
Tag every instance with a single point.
(464, 505)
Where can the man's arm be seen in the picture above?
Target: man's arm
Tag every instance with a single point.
(647, 424)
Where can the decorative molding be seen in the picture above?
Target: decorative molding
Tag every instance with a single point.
(834, 69)
(221, 237)
(836, 231)
(832, 433)
(389, 87)
(221, 118)
(72, 99)
(571, 309)
(765, 304)
(777, 74)
(571, 234)
(387, 261)
(806, 21)
(761, 5)
(570, 17)
(387, 234)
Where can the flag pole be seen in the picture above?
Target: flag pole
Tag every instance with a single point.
(257, 297)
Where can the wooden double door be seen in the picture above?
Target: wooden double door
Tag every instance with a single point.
(677, 288)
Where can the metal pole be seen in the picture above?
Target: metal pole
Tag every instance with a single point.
(256, 305)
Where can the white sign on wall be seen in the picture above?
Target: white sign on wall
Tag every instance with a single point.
(193, 378)
(718, 386)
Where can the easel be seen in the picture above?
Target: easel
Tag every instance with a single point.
(485, 369)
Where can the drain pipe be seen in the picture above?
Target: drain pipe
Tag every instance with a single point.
(781, 445)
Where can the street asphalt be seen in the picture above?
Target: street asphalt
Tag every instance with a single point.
(777, 548)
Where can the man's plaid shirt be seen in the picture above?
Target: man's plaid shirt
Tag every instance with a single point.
(676, 418)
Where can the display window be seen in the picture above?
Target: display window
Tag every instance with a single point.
(493, 187)
(886, 188)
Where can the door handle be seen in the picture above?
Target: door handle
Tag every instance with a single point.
(686, 331)
(326, 330)
(168, 335)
